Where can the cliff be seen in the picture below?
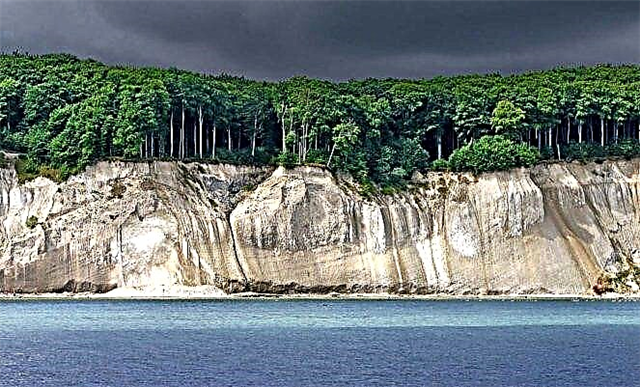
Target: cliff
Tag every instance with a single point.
(558, 228)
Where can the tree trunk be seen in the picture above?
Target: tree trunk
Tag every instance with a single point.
(333, 148)
(207, 141)
(253, 145)
(625, 129)
(153, 150)
(161, 144)
(284, 129)
(539, 136)
(229, 138)
(213, 153)
(293, 146)
(602, 136)
(294, 143)
(439, 142)
(171, 134)
(303, 142)
(306, 142)
(182, 135)
(207, 138)
(579, 132)
(195, 139)
(253, 136)
(568, 130)
(200, 127)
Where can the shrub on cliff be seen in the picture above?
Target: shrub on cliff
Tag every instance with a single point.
(547, 153)
(56, 174)
(440, 165)
(317, 156)
(582, 151)
(493, 153)
(624, 148)
(286, 159)
(26, 169)
(32, 222)
(242, 157)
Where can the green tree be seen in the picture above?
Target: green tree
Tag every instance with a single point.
(344, 136)
(9, 109)
(508, 120)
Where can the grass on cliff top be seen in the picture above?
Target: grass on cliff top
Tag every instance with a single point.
(27, 171)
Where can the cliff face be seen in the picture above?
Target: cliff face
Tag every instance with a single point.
(557, 228)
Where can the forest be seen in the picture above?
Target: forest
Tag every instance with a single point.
(64, 113)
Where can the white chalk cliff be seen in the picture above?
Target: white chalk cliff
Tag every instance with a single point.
(551, 229)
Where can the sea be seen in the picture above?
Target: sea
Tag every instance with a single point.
(313, 342)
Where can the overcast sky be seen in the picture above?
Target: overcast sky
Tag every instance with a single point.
(329, 39)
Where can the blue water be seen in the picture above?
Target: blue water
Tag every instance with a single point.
(319, 343)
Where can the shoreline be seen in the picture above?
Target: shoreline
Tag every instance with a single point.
(203, 293)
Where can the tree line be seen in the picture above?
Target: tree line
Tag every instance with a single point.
(66, 113)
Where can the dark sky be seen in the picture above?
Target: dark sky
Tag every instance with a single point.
(329, 39)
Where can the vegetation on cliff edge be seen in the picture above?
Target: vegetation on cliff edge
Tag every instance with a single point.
(65, 113)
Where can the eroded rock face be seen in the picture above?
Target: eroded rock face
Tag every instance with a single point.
(122, 224)
(557, 228)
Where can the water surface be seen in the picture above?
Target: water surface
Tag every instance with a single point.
(319, 343)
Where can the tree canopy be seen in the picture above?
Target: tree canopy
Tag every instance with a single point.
(66, 113)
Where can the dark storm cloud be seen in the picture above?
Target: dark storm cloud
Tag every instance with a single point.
(330, 39)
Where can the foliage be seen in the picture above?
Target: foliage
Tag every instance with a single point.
(32, 222)
(65, 113)
(583, 151)
(26, 169)
(440, 165)
(398, 161)
(287, 159)
(547, 153)
(367, 189)
(57, 175)
(389, 189)
(507, 119)
(625, 148)
(242, 157)
(318, 156)
(117, 189)
(493, 153)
